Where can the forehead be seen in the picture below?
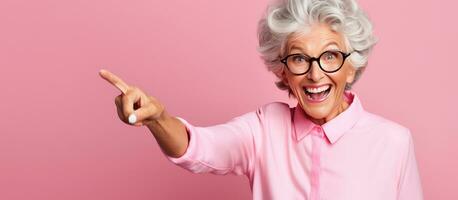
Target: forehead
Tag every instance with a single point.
(316, 39)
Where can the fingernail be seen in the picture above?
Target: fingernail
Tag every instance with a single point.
(132, 118)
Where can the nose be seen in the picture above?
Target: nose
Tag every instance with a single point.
(315, 74)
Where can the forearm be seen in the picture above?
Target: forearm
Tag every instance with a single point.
(170, 134)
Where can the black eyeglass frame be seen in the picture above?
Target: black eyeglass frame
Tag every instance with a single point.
(317, 59)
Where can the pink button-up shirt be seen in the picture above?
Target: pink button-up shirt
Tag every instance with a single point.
(355, 156)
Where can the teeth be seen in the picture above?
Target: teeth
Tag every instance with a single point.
(317, 90)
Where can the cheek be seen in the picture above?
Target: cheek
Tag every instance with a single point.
(295, 82)
(340, 78)
(340, 81)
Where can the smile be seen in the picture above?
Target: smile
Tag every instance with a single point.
(316, 94)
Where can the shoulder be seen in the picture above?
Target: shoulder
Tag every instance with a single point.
(276, 108)
(264, 114)
(386, 129)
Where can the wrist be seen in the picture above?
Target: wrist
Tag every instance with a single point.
(161, 118)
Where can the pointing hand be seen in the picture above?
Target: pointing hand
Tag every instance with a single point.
(134, 106)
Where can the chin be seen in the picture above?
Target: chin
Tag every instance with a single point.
(317, 113)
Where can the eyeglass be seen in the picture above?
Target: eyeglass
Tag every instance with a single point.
(329, 61)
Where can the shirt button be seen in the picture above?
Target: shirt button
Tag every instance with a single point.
(316, 131)
(319, 131)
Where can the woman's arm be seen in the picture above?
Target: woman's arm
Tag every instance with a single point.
(218, 149)
(223, 148)
(410, 183)
(170, 134)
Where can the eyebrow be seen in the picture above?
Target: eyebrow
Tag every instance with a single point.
(303, 50)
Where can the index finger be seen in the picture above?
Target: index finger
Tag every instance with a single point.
(114, 80)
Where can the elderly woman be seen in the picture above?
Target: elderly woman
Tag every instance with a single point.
(327, 147)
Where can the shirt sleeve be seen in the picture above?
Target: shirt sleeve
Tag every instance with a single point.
(221, 149)
(410, 184)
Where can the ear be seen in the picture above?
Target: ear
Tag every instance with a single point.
(284, 79)
(351, 73)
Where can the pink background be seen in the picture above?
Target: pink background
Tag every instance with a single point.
(60, 134)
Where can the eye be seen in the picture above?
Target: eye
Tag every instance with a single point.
(298, 59)
(330, 56)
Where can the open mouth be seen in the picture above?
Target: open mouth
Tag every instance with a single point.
(317, 94)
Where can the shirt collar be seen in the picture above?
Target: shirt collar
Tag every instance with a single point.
(336, 127)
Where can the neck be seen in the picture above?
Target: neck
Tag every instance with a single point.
(339, 109)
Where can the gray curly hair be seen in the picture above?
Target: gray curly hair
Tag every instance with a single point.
(294, 16)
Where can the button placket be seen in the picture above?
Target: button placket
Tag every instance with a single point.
(317, 135)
